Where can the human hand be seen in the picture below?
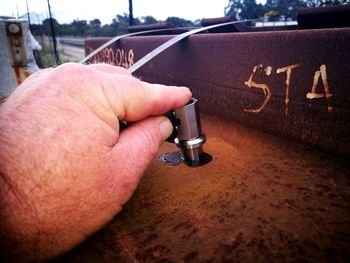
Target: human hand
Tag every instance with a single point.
(65, 167)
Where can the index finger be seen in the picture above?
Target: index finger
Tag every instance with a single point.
(106, 68)
(133, 100)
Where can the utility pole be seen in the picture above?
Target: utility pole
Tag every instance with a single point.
(57, 58)
(131, 17)
(30, 25)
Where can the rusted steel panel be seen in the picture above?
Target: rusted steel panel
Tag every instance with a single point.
(240, 27)
(324, 17)
(16, 54)
(261, 199)
(168, 28)
(16, 45)
(302, 76)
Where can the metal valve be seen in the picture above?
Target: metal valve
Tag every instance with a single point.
(187, 133)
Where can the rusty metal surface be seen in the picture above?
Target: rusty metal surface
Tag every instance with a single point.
(171, 29)
(261, 199)
(239, 27)
(16, 54)
(300, 75)
(20, 74)
(12, 55)
(15, 43)
(324, 17)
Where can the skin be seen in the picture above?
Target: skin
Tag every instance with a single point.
(65, 168)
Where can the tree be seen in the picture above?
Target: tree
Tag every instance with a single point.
(64, 30)
(107, 31)
(37, 30)
(285, 8)
(78, 27)
(316, 3)
(179, 22)
(250, 9)
(244, 9)
(272, 15)
(96, 23)
(120, 23)
(122, 19)
(47, 27)
(148, 20)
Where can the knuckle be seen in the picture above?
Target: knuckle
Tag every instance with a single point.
(72, 75)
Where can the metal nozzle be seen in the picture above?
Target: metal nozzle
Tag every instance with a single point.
(188, 133)
(192, 150)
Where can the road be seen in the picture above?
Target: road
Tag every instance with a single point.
(71, 49)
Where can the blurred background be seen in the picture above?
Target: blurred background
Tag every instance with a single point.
(69, 23)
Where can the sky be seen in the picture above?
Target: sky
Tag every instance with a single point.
(65, 11)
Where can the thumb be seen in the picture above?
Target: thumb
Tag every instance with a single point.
(135, 150)
(143, 138)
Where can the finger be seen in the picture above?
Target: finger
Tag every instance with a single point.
(135, 149)
(133, 100)
(106, 68)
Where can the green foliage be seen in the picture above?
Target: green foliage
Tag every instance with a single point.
(244, 9)
(273, 15)
(47, 27)
(108, 31)
(148, 20)
(316, 3)
(78, 27)
(95, 23)
(179, 22)
(93, 28)
(286, 8)
(241, 9)
(250, 9)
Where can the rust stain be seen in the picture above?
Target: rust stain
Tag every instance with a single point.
(260, 199)
(21, 74)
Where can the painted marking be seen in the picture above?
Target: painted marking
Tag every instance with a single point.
(287, 69)
(327, 92)
(119, 57)
(321, 73)
(265, 88)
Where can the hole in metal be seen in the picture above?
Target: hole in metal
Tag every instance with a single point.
(172, 158)
(205, 158)
(175, 158)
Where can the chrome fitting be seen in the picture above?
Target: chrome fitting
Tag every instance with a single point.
(188, 132)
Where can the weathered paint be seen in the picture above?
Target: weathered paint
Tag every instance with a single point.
(304, 96)
(261, 199)
(16, 58)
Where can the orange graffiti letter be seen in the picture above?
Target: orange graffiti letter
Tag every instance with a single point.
(287, 69)
(250, 83)
(327, 92)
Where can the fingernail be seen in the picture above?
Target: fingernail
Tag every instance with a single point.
(187, 90)
(165, 128)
